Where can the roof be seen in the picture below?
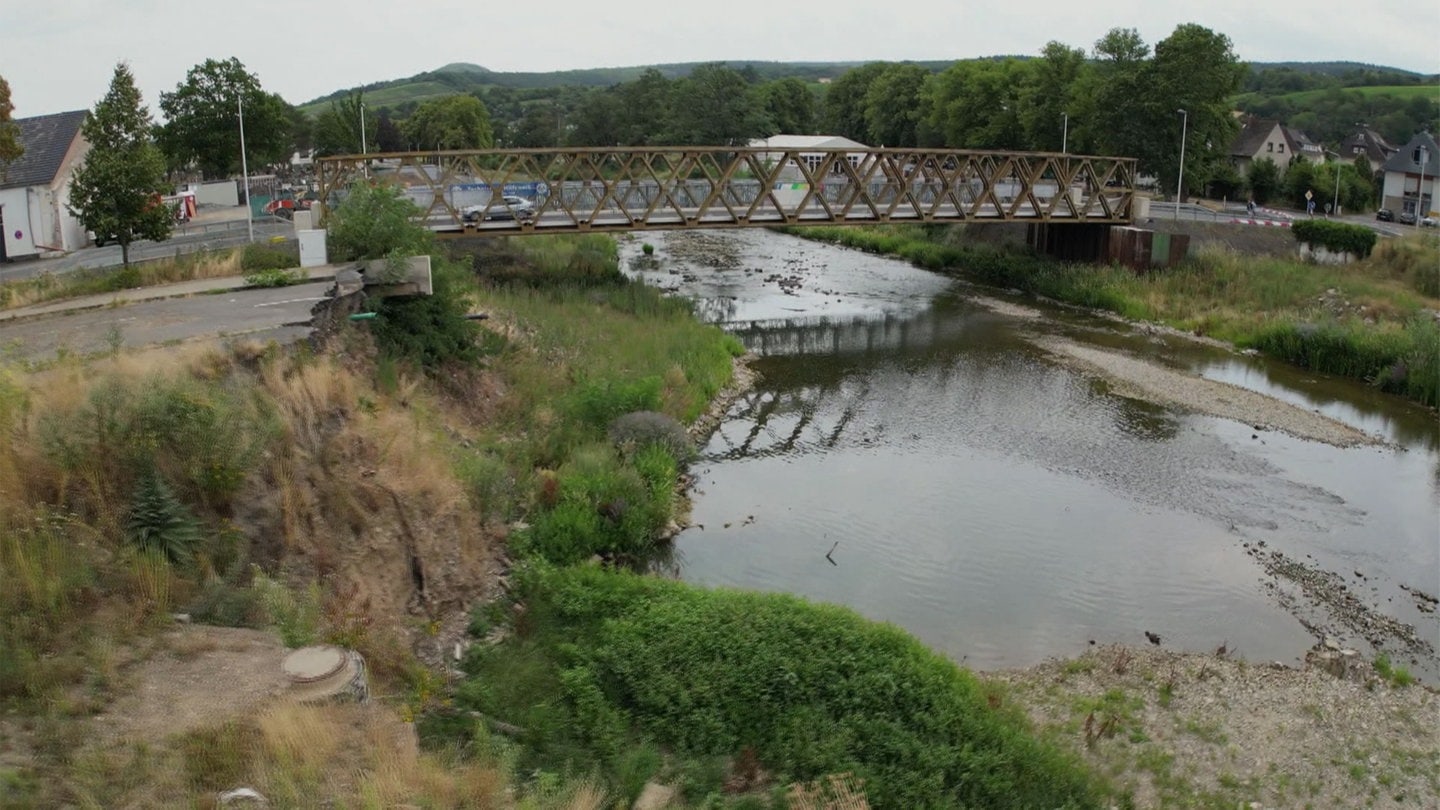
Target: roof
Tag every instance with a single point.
(1299, 141)
(1404, 160)
(1254, 135)
(806, 142)
(46, 139)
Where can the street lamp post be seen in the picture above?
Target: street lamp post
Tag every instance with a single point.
(1420, 190)
(1065, 135)
(1180, 181)
(245, 169)
(363, 148)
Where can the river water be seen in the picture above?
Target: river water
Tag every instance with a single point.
(1006, 508)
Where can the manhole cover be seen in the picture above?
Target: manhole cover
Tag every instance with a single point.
(311, 664)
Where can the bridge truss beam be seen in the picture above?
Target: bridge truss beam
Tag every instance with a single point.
(460, 193)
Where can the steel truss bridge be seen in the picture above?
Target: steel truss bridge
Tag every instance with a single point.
(461, 193)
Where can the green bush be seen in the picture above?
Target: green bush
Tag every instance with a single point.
(605, 506)
(159, 523)
(811, 689)
(255, 258)
(374, 222)
(1338, 237)
(431, 331)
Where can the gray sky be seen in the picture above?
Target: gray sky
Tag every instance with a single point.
(59, 54)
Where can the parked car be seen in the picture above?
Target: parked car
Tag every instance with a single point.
(1429, 222)
(1406, 218)
(509, 207)
(1385, 215)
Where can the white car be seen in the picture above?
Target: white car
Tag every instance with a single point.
(1429, 222)
(508, 207)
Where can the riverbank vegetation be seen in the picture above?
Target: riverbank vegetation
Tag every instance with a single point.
(366, 492)
(1372, 320)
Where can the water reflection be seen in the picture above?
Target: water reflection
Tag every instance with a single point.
(1004, 508)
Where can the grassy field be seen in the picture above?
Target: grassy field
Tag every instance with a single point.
(1305, 98)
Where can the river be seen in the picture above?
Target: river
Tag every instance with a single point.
(913, 452)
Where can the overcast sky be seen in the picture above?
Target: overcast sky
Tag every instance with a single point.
(59, 54)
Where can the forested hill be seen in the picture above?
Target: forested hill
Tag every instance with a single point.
(463, 77)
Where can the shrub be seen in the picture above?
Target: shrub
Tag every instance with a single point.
(639, 429)
(648, 249)
(296, 617)
(159, 523)
(430, 331)
(255, 258)
(810, 689)
(374, 222)
(604, 506)
(1338, 237)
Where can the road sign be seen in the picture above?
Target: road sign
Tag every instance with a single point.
(1309, 195)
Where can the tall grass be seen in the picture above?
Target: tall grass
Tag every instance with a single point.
(1366, 320)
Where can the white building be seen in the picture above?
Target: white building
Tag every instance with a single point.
(811, 150)
(35, 189)
(1410, 177)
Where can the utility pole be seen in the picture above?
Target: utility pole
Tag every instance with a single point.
(1065, 135)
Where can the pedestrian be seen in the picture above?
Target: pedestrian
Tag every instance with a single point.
(1309, 203)
(1250, 207)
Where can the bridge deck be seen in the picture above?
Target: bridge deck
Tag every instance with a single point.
(461, 193)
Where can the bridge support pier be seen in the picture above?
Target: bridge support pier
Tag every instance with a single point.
(1071, 242)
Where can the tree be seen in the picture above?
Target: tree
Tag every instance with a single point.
(1196, 70)
(452, 122)
(1263, 178)
(1115, 93)
(597, 120)
(202, 120)
(1299, 178)
(1046, 100)
(644, 113)
(387, 134)
(790, 106)
(895, 105)
(374, 221)
(976, 105)
(10, 148)
(116, 192)
(714, 105)
(337, 129)
(844, 105)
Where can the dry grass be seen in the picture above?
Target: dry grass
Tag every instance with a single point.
(363, 756)
(836, 792)
(51, 287)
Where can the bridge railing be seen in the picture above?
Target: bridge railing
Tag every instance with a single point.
(462, 192)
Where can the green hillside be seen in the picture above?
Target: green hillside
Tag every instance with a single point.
(463, 77)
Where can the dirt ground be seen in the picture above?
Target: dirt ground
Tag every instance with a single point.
(201, 677)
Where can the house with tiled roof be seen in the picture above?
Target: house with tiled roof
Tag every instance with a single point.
(35, 215)
(1411, 177)
(1267, 138)
(1369, 143)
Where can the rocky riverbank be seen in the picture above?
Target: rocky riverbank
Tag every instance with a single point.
(1193, 730)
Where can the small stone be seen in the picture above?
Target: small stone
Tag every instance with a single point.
(1331, 643)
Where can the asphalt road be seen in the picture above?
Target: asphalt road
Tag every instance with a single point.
(281, 314)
